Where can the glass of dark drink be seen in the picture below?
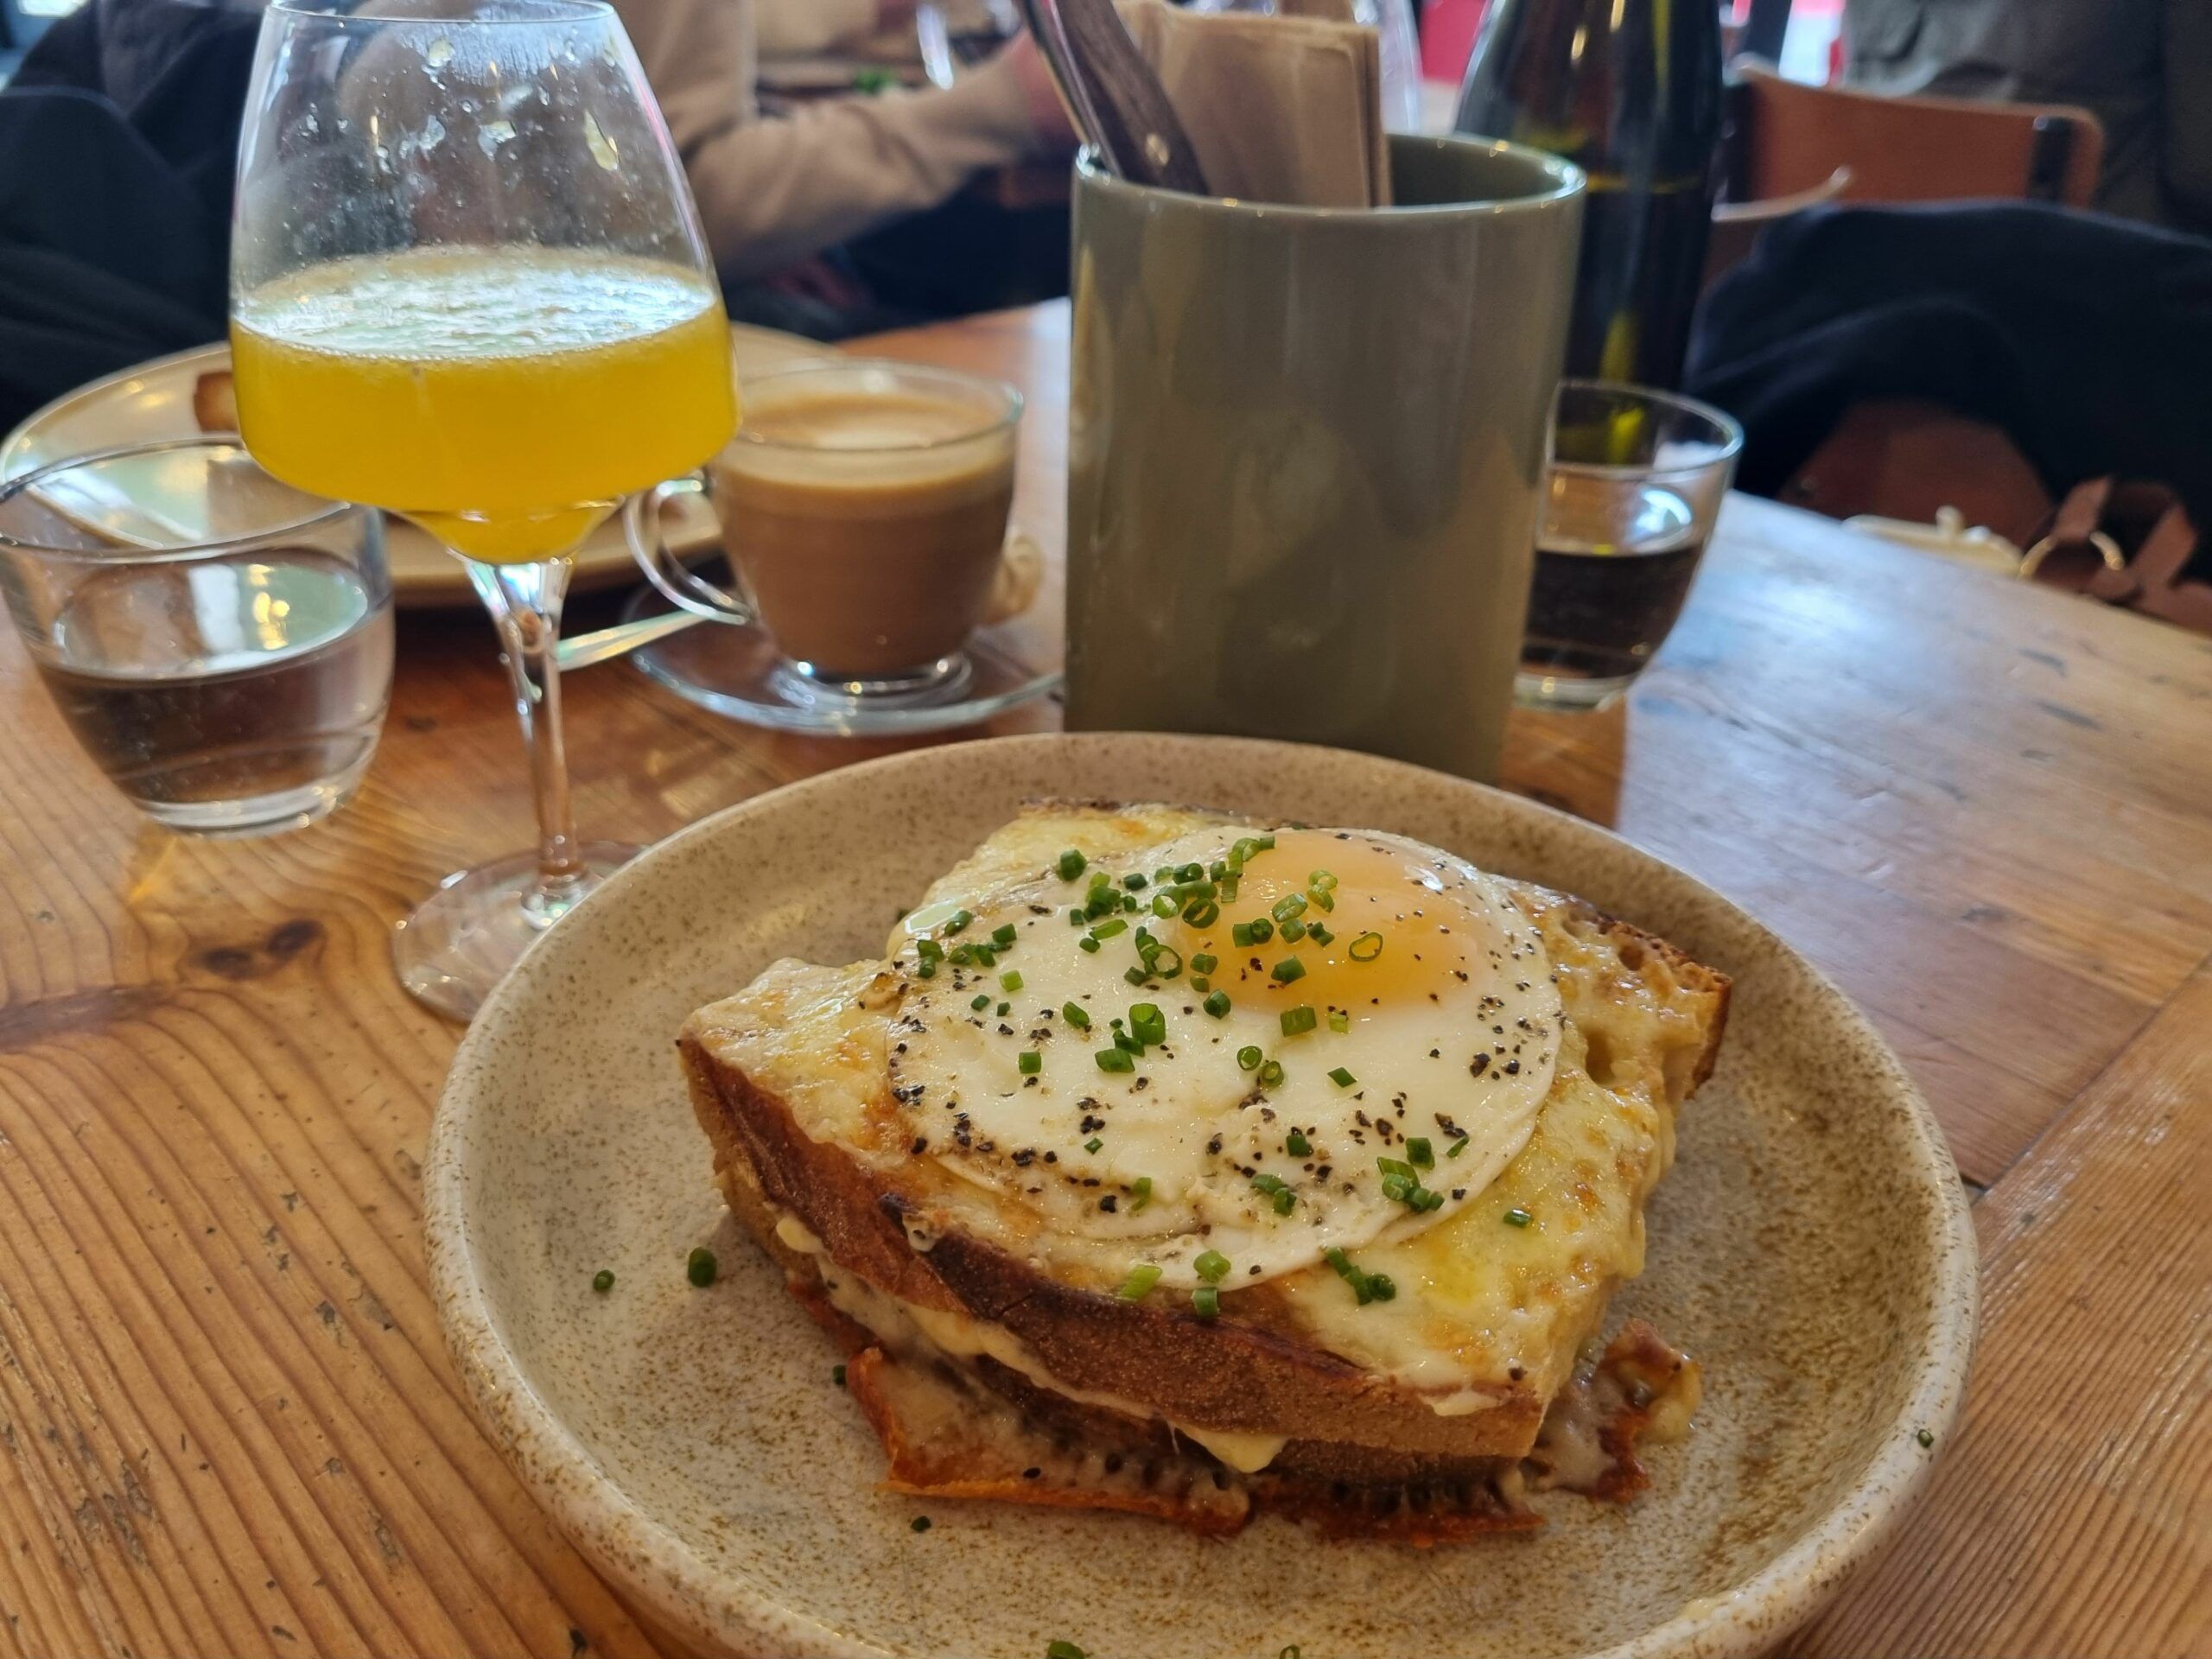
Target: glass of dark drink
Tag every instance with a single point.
(1636, 484)
(219, 642)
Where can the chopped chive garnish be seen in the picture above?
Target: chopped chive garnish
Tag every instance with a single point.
(1076, 916)
(1290, 905)
(985, 956)
(1381, 1286)
(1298, 1021)
(1397, 1167)
(1212, 1266)
(1010, 980)
(1202, 912)
(1116, 1059)
(1099, 904)
(1365, 948)
(1087, 944)
(1201, 984)
(1266, 1183)
(1240, 935)
(959, 919)
(1029, 1063)
(1288, 968)
(1099, 881)
(1075, 1015)
(1341, 1077)
(1109, 928)
(1137, 975)
(1126, 1043)
(927, 970)
(1323, 898)
(699, 1266)
(1142, 1277)
(1320, 882)
(929, 950)
(1285, 1202)
(1205, 1302)
(1517, 1216)
(1004, 1009)
(1228, 886)
(1191, 872)
(1092, 1145)
(1072, 864)
(1133, 881)
(1164, 875)
(1339, 1020)
(1163, 903)
(1457, 1146)
(1204, 962)
(1129, 904)
(1271, 1075)
(1248, 1058)
(1419, 1153)
(962, 954)
(1218, 868)
(1002, 935)
(1263, 930)
(1139, 1193)
(1297, 1145)
(1063, 1650)
(603, 1281)
(980, 1000)
(1319, 934)
(1924, 1437)
(921, 1523)
(1216, 1003)
(837, 1375)
(1146, 1024)
(1294, 930)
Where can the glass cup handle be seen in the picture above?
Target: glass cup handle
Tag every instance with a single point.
(680, 586)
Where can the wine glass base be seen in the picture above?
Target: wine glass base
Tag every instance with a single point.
(461, 940)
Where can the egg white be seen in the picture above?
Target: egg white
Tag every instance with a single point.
(1451, 1038)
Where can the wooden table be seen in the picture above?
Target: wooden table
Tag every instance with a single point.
(227, 1426)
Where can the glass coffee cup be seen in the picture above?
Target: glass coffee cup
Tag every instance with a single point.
(863, 506)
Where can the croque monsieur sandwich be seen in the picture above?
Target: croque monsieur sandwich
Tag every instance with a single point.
(1185, 1165)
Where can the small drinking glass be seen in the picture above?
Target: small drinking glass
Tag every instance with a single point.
(1636, 481)
(864, 508)
(220, 643)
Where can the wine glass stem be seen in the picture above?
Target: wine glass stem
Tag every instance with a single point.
(524, 601)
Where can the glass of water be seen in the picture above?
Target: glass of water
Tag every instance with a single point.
(219, 643)
(1636, 481)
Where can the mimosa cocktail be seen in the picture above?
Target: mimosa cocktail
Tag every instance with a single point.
(506, 399)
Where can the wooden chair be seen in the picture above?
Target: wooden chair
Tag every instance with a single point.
(1737, 225)
(1785, 138)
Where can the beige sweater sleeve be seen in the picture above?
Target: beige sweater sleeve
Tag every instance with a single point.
(791, 29)
(772, 191)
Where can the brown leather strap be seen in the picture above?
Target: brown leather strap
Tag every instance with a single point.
(2087, 546)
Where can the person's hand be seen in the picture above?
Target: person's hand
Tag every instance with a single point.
(1048, 117)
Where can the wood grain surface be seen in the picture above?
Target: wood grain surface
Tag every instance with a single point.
(228, 1424)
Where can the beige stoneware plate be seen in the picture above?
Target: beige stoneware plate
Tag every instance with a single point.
(1811, 1247)
(153, 402)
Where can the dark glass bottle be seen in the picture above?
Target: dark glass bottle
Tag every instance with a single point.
(1630, 91)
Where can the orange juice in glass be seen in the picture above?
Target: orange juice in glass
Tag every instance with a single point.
(468, 284)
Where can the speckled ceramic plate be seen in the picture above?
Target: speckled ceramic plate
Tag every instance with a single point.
(1811, 1247)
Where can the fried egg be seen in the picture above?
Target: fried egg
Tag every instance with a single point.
(1228, 1055)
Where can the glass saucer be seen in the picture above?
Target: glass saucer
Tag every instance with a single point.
(735, 670)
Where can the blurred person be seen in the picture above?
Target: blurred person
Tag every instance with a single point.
(2143, 67)
(774, 190)
(798, 29)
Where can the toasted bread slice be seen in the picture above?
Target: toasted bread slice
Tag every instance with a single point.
(789, 1081)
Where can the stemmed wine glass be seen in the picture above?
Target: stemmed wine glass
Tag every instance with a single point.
(469, 285)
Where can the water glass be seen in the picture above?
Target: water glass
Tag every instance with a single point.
(1635, 486)
(219, 642)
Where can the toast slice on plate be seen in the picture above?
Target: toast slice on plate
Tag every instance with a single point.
(1173, 1163)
